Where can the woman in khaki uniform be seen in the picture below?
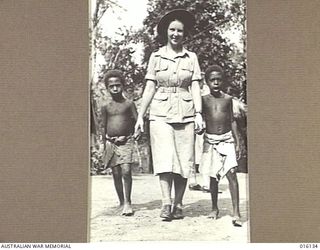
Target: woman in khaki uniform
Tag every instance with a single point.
(172, 91)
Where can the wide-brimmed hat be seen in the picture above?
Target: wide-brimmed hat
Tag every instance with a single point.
(180, 14)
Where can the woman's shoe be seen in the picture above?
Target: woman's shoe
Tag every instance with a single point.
(194, 187)
(166, 213)
(177, 213)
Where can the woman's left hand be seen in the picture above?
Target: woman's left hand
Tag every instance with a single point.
(198, 122)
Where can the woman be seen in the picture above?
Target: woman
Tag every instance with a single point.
(173, 93)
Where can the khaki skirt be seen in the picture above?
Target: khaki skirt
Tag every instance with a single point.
(172, 147)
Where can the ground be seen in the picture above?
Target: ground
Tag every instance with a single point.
(108, 225)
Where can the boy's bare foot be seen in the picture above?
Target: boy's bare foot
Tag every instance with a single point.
(213, 215)
(127, 210)
(236, 221)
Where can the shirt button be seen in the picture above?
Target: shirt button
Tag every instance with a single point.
(174, 72)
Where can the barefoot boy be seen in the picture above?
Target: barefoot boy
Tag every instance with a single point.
(221, 142)
(118, 119)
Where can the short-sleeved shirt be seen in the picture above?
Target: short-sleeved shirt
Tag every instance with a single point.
(173, 71)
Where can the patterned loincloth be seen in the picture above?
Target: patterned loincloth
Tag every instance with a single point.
(119, 150)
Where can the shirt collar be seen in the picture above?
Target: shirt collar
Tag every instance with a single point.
(163, 53)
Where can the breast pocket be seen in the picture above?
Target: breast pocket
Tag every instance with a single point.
(185, 74)
(162, 74)
(159, 105)
(187, 105)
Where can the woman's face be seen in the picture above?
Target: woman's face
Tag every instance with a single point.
(175, 33)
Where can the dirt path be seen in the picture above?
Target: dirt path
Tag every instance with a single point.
(108, 225)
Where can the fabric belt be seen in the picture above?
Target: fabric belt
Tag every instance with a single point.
(172, 90)
(118, 140)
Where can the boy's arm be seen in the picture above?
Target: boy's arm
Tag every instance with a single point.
(235, 133)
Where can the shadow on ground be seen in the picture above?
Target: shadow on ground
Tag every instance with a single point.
(151, 205)
(203, 208)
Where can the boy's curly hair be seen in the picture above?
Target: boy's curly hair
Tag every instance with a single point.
(113, 73)
(213, 68)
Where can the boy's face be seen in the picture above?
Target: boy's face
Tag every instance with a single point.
(114, 85)
(215, 81)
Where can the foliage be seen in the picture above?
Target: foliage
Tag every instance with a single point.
(96, 160)
(119, 55)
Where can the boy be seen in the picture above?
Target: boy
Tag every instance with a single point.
(221, 142)
(118, 119)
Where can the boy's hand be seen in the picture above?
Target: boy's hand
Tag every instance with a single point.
(238, 151)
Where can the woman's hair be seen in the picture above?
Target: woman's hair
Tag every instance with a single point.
(113, 73)
(213, 68)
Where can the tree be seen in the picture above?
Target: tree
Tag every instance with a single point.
(213, 18)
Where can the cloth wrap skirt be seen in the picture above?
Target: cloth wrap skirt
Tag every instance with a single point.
(219, 155)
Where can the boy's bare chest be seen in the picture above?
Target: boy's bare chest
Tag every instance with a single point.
(212, 104)
(116, 108)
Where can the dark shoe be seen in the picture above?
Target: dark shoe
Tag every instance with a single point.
(166, 212)
(194, 187)
(177, 213)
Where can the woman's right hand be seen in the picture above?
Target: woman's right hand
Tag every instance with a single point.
(199, 129)
(138, 128)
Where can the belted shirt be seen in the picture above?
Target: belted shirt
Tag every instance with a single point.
(173, 102)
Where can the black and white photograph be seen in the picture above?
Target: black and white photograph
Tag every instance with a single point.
(168, 108)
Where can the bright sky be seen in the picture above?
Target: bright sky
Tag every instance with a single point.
(133, 15)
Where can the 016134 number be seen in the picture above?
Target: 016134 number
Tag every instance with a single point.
(309, 245)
